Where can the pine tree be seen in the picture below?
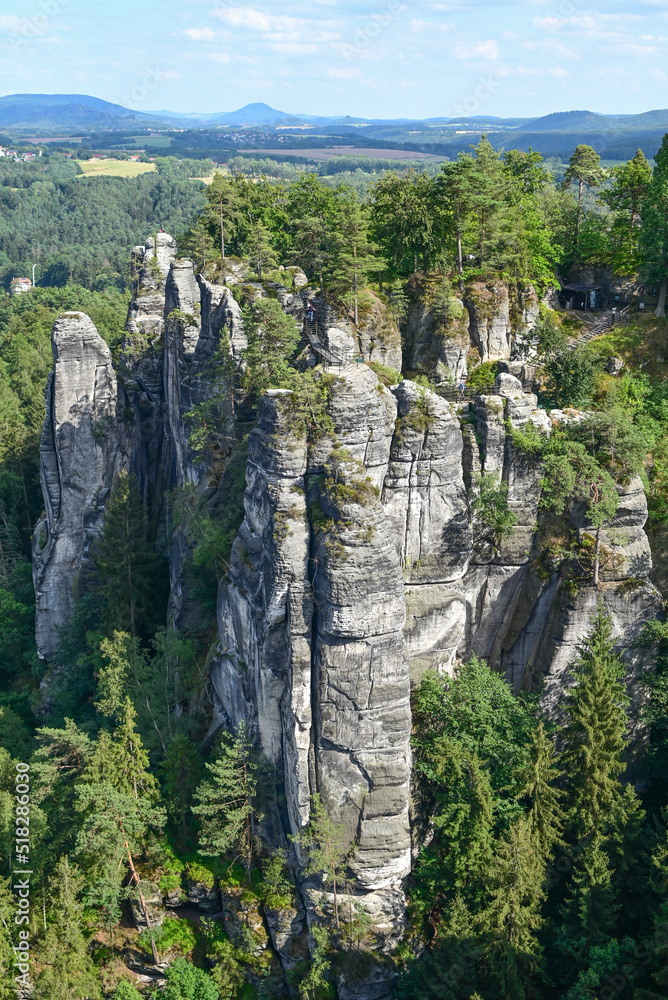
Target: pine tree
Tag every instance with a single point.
(654, 234)
(226, 799)
(127, 566)
(584, 168)
(310, 207)
(546, 816)
(260, 248)
(630, 184)
(272, 339)
(315, 984)
(355, 257)
(116, 809)
(328, 847)
(595, 734)
(223, 211)
(68, 972)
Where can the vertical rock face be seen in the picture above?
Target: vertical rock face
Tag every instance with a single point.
(435, 342)
(359, 563)
(79, 455)
(312, 620)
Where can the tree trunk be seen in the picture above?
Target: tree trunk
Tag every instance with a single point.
(660, 311)
(147, 916)
(597, 556)
(460, 261)
(357, 318)
(577, 218)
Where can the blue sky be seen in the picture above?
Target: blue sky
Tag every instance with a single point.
(386, 59)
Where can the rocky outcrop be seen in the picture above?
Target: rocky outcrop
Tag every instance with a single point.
(360, 563)
(437, 338)
(79, 457)
(498, 313)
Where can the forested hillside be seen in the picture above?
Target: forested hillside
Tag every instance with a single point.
(78, 230)
(351, 678)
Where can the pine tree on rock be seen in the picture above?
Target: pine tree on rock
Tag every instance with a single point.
(595, 734)
(225, 801)
(355, 257)
(328, 847)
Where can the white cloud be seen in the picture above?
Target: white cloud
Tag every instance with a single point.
(28, 27)
(488, 50)
(344, 74)
(220, 57)
(255, 20)
(200, 34)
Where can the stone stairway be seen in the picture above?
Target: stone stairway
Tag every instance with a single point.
(600, 327)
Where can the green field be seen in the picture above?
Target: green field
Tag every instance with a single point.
(114, 168)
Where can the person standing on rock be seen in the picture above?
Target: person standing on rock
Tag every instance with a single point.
(462, 390)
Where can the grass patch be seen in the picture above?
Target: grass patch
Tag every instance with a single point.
(115, 168)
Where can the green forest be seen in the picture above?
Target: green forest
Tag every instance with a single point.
(542, 869)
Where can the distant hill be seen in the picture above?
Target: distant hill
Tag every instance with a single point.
(254, 114)
(570, 121)
(68, 110)
(615, 137)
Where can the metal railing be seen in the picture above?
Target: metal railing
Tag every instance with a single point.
(330, 356)
(454, 395)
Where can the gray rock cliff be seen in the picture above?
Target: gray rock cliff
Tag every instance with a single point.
(359, 564)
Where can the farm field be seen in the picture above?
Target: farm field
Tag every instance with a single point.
(114, 168)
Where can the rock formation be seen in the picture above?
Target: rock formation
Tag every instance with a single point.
(359, 564)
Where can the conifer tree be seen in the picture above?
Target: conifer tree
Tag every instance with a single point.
(225, 800)
(584, 168)
(116, 806)
(589, 913)
(513, 917)
(68, 972)
(328, 846)
(310, 207)
(595, 734)
(630, 184)
(127, 566)
(546, 816)
(260, 249)
(272, 339)
(355, 257)
(7, 913)
(654, 234)
(315, 984)
(181, 772)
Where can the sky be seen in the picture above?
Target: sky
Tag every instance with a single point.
(384, 59)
